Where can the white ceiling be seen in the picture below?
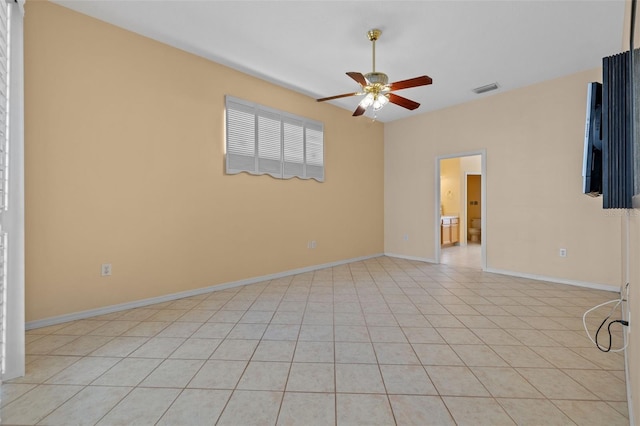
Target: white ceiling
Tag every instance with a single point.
(307, 46)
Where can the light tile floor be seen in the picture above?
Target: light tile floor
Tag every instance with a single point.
(383, 341)
(469, 256)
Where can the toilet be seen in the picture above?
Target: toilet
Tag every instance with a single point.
(474, 231)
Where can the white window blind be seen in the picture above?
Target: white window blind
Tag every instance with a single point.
(241, 154)
(292, 134)
(269, 143)
(262, 140)
(315, 155)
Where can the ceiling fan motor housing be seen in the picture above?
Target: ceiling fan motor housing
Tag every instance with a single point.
(379, 78)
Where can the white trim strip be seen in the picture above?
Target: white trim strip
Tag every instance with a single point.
(180, 295)
(594, 286)
(402, 256)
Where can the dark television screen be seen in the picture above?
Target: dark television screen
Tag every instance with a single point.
(592, 160)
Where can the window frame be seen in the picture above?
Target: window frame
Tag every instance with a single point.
(240, 159)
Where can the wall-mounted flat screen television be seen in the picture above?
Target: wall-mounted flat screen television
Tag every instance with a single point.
(592, 160)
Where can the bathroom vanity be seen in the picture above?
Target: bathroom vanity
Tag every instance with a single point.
(449, 230)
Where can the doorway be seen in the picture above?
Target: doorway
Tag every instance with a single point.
(461, 209)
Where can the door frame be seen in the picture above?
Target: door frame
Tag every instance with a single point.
(483, 241)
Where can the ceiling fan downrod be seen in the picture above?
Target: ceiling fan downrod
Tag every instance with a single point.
(373, 36)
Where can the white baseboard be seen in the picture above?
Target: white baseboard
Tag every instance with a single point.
(402, 256)
(180, 295)
(594, 286)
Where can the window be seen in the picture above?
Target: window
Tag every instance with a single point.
(262, 140)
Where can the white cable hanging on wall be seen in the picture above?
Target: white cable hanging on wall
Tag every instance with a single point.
(618, 302)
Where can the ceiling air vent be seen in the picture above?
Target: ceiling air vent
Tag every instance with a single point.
(486, 88)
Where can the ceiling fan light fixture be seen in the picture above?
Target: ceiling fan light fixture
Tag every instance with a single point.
(379, 102)
(367, 101)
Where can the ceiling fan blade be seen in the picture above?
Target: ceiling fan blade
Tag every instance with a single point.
(403, 102)
(358, 77)
(344, 95)
(359, 111)
(412, 82)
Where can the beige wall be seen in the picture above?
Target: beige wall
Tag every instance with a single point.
(534, 140)
(124, 165)
(450, 186)
(471, 164)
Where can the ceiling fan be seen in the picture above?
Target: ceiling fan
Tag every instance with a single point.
(376, 86)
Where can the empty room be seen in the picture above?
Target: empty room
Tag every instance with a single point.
(319, 213)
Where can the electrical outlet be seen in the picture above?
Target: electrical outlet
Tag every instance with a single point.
(563, 252)
(106, 270)
(311, 244)
(405, 237)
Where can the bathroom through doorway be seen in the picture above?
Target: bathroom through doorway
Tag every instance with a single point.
(461, 210)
